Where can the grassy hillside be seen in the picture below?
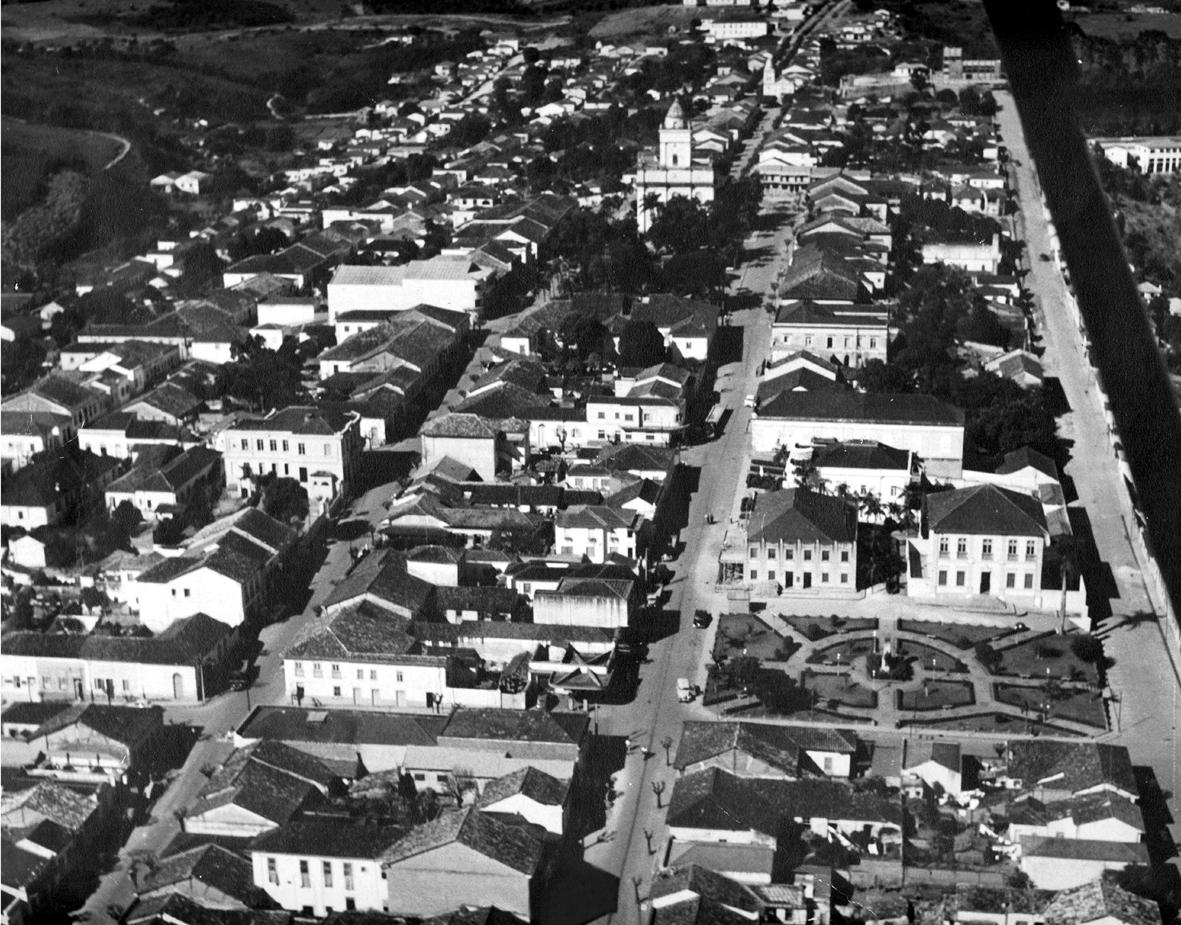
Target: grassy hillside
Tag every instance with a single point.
(30, 153)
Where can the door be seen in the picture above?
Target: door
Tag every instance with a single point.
(400, 698)
(77, 688)
(356, 696)
(985, 582)
(807, 579)
(375, 697)
(789, 578)
(178, 686)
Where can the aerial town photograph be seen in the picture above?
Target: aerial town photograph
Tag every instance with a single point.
(487, 462)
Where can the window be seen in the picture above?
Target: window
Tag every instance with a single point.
(317, 671)
(245, 444)
(336, 671)
(986, 549)
(873, 343)
(824, 578)
(398, 676)
(347, 871)
(844, 578)
(754, 574)
(848, 342)
(959, 579)
(305, 881)
(807, 555)
(336, 691)
(1030, 549)
(188, 593)
(360, 674)
(828, 342)
(286, 447)
(789, 553)
(942, 577)
(299, 669)
(327, 449)
(1012, 549)
(372, 674)
(944, 545)
(300, 449)
(272, 871)
(98, 683)
(844, 555)
(126, 684)
(274, 445)
(824, 554)
(754, 552)
(961, 548)
(807, 340)
(772, 552)
(602, 416)
(1029, 581)
(328, 873)
(771, 575)
(259, 444)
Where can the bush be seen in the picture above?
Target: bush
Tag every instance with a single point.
(1087, 649)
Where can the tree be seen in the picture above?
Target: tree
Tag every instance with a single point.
(681, 224)
(641, 344)
(584, 334)
(1087, 648)
(127, 516)
(284, 499)
(201, 267)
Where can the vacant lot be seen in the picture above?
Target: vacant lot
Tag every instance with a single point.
(30, 152)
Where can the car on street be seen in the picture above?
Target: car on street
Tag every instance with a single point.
(685, 691)
(749, 401)
(702, 619)
(1044, 257)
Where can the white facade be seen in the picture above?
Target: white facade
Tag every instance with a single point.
(289, 453)
(673, 173)
(160, 604)
(548, 817)
(632, 420)
(975, 258)
(369, 684)
(321, 883)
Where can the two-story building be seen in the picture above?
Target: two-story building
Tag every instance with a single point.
(596, 531)
(852, 334)
(318, 448)
(801, 540)
(983, 540)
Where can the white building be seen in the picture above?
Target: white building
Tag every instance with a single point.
(320, 866)
(673, 173)
(1161, 154)
(451, 281)
(596, 532)
(308, 444)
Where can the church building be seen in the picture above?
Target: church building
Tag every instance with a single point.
(673, 172)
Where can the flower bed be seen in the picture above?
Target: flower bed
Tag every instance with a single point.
(937, 695)
(959, 635)
(817, 628)
(1080, 706)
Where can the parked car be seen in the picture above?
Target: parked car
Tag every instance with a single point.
(241, 676)
(685, 691)
(702, 619)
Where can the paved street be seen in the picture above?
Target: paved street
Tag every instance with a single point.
(222, 714)
(1143, 676)
(655, 714)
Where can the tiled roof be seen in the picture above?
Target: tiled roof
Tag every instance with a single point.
(490, 723)
(382, 576)
(302, 420)
(127, 725)
(779, 746)
(1101, 901)
(986, 510)
(331, 837)
(271, 783)
(211, 865)
(297, 724)
(1073, 766)
(511, 845)
(861, 455)
(800, 515)
(708, 885)
(530, 782)
(873, 407)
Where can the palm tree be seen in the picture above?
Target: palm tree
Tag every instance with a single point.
(871, 506)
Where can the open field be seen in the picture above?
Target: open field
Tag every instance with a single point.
(1128, 25)
(631, 25)
(29, 152)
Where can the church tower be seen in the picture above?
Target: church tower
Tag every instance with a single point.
(676, 139)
